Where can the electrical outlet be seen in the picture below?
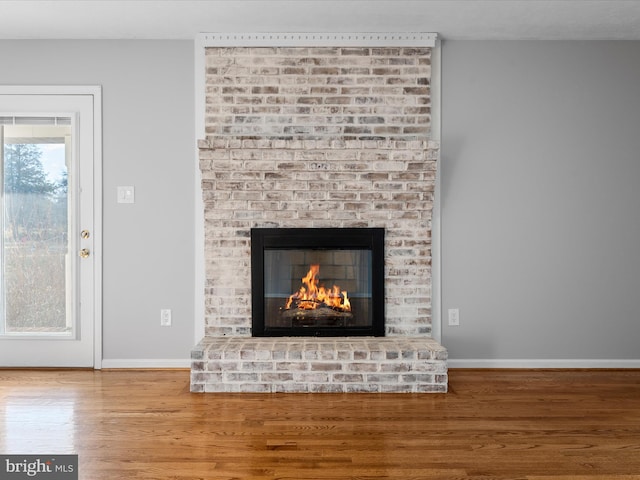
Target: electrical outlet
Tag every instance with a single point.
(454, 317)
(165, 317)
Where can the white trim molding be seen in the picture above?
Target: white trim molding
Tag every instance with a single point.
(542, 363)
(198, 236)
(143, 363)
(95, 91)
(436, 244)
(289, 39)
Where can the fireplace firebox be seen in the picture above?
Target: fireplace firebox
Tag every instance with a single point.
(317, 282)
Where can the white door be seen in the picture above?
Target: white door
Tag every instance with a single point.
(49, 227)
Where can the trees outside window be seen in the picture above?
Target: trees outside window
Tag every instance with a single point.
(35, 246)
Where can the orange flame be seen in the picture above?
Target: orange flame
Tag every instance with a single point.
(311, 296)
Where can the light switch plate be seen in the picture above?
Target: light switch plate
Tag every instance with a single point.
(126, 194)
(454, 317)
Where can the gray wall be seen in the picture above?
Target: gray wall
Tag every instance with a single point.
(540, 199)
(148, 142)
(540, 161)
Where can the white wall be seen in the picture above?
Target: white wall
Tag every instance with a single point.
(148, 142)
(540, 201)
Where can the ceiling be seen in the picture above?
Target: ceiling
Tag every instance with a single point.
(451, 19)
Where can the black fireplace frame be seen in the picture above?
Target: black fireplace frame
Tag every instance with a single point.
(317, 238)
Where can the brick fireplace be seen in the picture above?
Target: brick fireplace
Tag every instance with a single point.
(306, 137)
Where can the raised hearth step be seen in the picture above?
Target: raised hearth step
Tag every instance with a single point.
(319, 364)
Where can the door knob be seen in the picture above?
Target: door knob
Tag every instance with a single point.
(84, 253)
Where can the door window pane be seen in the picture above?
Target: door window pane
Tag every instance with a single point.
(35, 254)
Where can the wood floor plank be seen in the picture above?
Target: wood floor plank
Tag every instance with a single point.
(492, 425)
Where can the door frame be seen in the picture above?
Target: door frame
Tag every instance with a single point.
(96, 92)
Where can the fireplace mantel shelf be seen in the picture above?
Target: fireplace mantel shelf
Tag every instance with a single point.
(319, 364)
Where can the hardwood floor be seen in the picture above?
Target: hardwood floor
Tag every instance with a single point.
(493, 424)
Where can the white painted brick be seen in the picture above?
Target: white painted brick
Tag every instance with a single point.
(421, 374)
(324, 180)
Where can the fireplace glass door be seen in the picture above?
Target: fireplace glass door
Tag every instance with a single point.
(317, 282)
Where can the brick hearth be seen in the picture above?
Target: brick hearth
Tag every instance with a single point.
(304, 364)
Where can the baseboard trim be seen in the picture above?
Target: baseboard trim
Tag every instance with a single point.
(538, 363)
(451, 363)
(146, 363)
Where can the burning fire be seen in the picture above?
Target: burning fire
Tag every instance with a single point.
(310, 296)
